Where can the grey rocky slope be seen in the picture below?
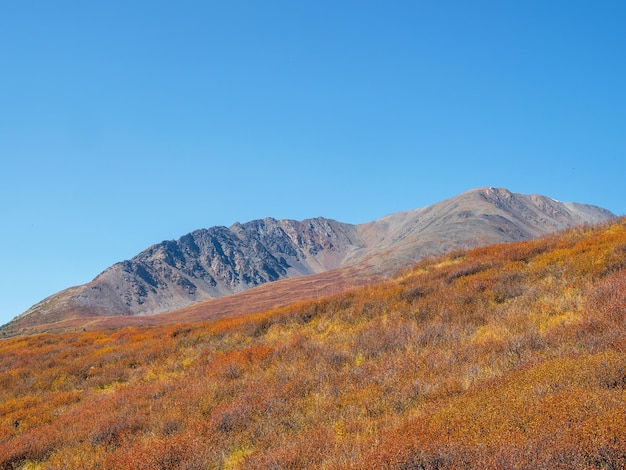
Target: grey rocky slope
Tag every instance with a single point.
(219, 261)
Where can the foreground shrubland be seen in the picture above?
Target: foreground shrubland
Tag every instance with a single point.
(508, 356)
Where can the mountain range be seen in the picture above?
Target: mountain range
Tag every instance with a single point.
(220, 261)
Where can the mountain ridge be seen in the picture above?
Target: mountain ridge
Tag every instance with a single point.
(210, 263)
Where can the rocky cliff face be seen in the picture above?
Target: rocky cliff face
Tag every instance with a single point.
(219, 261)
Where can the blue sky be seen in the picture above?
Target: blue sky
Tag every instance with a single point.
(126, 123)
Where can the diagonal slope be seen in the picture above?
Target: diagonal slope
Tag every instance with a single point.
(506, 356)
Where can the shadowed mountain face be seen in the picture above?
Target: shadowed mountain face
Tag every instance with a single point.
(219, 261)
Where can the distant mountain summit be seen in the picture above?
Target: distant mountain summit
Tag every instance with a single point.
(219, 261)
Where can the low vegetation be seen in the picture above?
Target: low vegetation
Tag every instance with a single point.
(508, 356)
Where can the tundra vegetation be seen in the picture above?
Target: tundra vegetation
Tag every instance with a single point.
(507, 356)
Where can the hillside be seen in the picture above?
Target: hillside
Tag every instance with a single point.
(218, 261)
(506, 356)
(254, 300)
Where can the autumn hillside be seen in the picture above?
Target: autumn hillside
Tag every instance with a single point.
(508, 356)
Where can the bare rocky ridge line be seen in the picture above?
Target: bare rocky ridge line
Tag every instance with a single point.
(218, 261)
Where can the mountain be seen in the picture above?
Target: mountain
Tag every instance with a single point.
(219, 261)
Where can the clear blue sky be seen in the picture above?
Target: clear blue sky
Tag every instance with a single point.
(124, 123)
